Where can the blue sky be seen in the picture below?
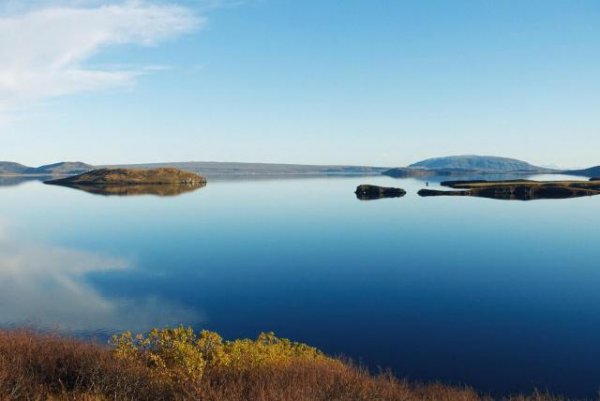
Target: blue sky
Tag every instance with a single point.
(368, 82)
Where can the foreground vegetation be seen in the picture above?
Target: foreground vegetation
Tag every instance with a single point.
(177, 364)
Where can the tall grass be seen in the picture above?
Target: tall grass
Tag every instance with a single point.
(176, 364)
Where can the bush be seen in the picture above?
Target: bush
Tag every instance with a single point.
(177, 364)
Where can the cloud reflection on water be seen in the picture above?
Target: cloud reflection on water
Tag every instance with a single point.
(45, 286)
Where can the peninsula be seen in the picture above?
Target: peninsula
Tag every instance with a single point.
(517, 189)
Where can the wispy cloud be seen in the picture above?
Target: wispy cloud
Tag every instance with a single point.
(45, 46)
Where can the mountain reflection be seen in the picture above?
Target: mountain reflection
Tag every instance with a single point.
(45, 286)
(10, 181)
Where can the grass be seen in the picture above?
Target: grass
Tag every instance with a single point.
(177, 364)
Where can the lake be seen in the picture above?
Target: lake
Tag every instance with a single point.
(500, 295)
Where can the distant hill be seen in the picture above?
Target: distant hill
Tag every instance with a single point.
(262, 170)
(207, 169)
(442, 166)
(476, 163)
(588, 172)
(62, 168)
(56, 169)
(466, 165)
(10, 168)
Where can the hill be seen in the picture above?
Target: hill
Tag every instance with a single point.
(262, 170)
(476, 163)
(56, 169)
(206, 169)
(470, 165)
(588, 172)
(62, 168)
(11, 168)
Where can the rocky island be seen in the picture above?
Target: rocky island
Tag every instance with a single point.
(371, 192)
(517, 189)
(121, 181)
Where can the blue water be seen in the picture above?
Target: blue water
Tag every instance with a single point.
(500, 295)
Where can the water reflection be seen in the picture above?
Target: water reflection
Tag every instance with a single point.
(45, 286)
(133, 190)
(9, 181)
(499, 295)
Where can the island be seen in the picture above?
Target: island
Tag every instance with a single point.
(371, 192)
(121, 181)
(517, 189)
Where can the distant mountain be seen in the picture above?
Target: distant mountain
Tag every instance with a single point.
(261, 170)
(471, 165)
(588, 172)
(10, 168)
(62, 168)
(208, 169)
(56, 169)
(476, 163)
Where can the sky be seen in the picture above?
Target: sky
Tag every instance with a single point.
(363, 82)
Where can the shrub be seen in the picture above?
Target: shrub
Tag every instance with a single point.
(177, 365)
(180, 354)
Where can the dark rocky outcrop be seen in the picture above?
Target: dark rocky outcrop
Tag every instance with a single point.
(371, 192)
(161, 181)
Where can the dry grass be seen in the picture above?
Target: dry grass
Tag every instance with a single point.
(41, 367)
(47, 367)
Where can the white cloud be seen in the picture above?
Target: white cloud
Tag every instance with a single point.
(43, 50)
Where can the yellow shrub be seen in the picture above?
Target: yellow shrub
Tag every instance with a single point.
(182, 355)
(173, 352)
(267, 350)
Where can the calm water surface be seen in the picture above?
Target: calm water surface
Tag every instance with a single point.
(501, 295)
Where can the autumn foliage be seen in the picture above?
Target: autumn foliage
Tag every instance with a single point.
(178, 364)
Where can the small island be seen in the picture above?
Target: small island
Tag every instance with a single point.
(121, 181)
(371, 192)
(518, 189)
